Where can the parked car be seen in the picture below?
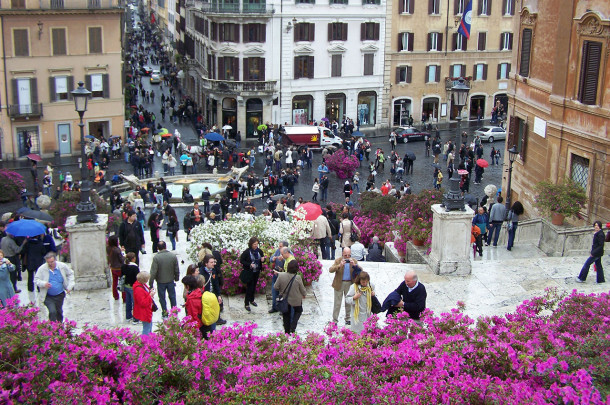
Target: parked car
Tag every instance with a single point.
(490, 134)
(407, 134)
(146, 70)
(155, 77)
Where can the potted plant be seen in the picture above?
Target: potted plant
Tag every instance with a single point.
(419, 231)
(560, 200)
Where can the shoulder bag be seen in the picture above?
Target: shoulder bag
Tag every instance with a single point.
(353, 235)
(282, 299)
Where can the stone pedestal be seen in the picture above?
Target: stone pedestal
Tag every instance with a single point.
(88, 253)
(451, 247)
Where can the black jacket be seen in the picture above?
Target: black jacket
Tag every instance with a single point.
(414, 301)
(130, 271)
(213, 285)
(131, 236)
(35, 251)
(246, 260)
(597, 249)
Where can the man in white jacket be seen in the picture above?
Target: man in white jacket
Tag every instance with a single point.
(55, 279)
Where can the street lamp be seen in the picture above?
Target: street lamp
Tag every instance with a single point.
(85, 209)
(459, 95)
(512, 156)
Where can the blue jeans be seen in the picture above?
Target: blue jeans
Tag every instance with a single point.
(146, 328)
(172, 239)
(128, 302)
(585, 269)
(274, 292)
(126, 157)
(325, 248)
(252, 160)
(494, 232)
(324, 194)
(511, 234)
(171, 291)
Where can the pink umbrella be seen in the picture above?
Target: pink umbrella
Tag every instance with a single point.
(312, 211)
(34, 157)
(462, 171)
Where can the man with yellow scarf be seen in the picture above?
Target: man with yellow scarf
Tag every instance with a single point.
(359, 297)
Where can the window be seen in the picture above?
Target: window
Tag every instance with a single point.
(526, 47)
(435, 41)
(303, 67)
(228, 68)
(214, 31)
(98, 84)
(18, 4)
(95, 39)
(60, 88)
(459, 42)
(378, 2)
(200, 25)
(434, 6)
(580, 170)
(503, 70)
(404, 74)
(480, 71)
(405, 41)
(337, 31)
(458, 7)
(433, 74)
(458, 71)
(254, 69)
(59, 41)
(508, 7)
(255, 32)
(335, 68)
(304, 32)
(482, 42)
(506, 41)
(21, 44)
(406, 6)
(338, 1)
(589, 72)
(25, 95)
(369, 31)
(368, 64)
(305, 2)
(228, 32)
(484, 7)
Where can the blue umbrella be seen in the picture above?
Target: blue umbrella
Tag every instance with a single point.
(26, 227)
(357, 134)
(214, 137)
(89, 137)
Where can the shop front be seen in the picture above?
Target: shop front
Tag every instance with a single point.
(430, 109)
(402, 111)
(254, 116)
(367, 108)
(477, 102)
(229, 112)
(28, 141)
(335, 107)
(302, 110)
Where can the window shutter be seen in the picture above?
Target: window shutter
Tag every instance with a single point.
(489, 7)
(507, 70)
(504, 6)
(236, 69)
(34, 90)
(296, 67)
(589, 72)
(480, 7)
(526, 43)
(330, 32)
(501, 41)
(439, 44)
(344, 32)
(485, 72)
(221, 32)
(463, 70)
(523, 142)
(456, 6)
(376, 34)
(88, 82)
(52, 95)
(429, 46)
(512, 9)
(409, 74)
(454, 41)
(427, 74)
(262, 69)
(411, 36)
(262, 28)
(15, 92)
(430, 6)
(499, 71)
(512, 129)
(221, 68)
(411, 6)
(482, 40)
(236, 32)
(438, 74)
(362, 31)
(246, 33)
(296, 32)
(464, 44)
(106, 84)
(398, 75)
(70, 86)
(474, 72)
(400, 44)
(246, 69)
(312, 32)
(510, 41)
(310, 67)
(401, 6)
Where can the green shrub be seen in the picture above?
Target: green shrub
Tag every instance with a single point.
(11, 184)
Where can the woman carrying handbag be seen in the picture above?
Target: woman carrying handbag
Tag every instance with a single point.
(290, 285)
(252, 261)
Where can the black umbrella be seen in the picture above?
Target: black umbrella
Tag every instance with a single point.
(410, 155)
(278, 196)
(471, 199)
(230, 143)
(39, 215)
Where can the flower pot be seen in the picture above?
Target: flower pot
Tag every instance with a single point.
(557, 219)
(418, 242)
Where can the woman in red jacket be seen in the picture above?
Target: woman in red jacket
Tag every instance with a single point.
(193, 285)
(143, 301)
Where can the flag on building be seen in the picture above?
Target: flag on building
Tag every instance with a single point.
(464, 27)
(152, 18)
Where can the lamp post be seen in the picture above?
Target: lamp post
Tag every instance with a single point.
(459, 95)
(85, 209)
(512, 156)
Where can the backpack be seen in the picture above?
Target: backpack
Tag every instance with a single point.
(210, 309)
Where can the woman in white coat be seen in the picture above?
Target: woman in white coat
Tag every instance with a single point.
(359, 297)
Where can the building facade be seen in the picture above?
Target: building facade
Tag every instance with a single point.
(423, 49)
(560, 106)
(268, 62)
(48, 47)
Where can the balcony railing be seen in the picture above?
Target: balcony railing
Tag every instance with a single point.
(61, 4)
(235, 7)
(236, 88)
(25, 110)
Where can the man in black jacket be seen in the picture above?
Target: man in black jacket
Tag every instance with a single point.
(205, 197)
(212, 279)
(413, 295)
(131, 235)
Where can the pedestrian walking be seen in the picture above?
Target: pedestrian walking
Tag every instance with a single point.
(54, 279)
(290, 285)
(251, 259)
(597, 252)
(165, 271)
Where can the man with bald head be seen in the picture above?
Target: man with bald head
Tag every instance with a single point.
(346, 269)
(413, 295)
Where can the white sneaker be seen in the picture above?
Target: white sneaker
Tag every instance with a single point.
(578, 280)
